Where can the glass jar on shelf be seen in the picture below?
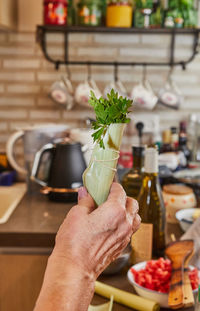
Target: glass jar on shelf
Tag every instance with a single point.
(89, 13)
(190, 18)
(174, 18)
(156, 20)
(119, 13)
(55, 12)
(142, 14)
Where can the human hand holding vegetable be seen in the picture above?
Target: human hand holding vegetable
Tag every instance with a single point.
(86, 243)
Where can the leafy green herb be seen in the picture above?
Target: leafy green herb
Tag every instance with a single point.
(114, 109)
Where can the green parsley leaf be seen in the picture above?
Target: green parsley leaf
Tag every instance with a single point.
(113, 109)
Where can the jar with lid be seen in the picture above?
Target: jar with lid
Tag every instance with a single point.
(143, 13)
(119, 13)
(176, 197)
(89, 12)
(55, 12)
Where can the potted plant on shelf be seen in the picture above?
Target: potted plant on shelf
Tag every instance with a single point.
(119, 13)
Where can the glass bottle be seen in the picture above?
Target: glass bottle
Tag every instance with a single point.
(183, 141)
(192, 134)
(132, 180)
(142, 13)
(166, 146)
(174, 138)
(71, 13)
(197, 304)
(150, 199)
(158, 14)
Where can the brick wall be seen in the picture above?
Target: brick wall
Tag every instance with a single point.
(25, 76)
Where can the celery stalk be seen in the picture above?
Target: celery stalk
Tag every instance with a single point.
(99, 175)
(111, 118)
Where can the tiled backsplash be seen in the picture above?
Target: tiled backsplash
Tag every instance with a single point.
(26, 77)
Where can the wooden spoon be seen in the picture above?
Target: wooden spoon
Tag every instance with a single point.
(188, 297)
(177, 252)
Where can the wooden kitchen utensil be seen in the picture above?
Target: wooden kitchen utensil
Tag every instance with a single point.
(188, 297)
(177, 252)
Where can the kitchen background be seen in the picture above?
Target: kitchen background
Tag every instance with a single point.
(26, 77)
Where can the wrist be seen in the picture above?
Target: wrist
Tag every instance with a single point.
(64, 279)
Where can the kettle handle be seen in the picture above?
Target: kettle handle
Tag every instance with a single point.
(37, 161)
(9, 151)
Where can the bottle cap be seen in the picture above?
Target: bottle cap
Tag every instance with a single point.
(151, 160)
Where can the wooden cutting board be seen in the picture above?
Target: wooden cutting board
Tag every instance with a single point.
(9, 199)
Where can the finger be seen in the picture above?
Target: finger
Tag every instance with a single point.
(85, 200)
(117, 194)
(111, 213)
(136, 223)
(132, 209)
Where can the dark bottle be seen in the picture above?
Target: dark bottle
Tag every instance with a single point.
(132, 180)
(183, 141)
(152, 208)
(166, 138)
(71, 13)
(174, 139)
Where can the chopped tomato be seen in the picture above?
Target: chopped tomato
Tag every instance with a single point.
(157, 274)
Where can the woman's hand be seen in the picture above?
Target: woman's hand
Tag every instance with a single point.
(87, 242)
(93, 238)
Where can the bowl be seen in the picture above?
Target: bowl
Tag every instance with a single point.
(160, 298)
(185, 218)
(118, 264)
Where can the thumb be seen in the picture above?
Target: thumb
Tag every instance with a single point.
(85, 200)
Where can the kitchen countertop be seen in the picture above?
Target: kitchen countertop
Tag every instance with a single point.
(36, 220)
(34, 223)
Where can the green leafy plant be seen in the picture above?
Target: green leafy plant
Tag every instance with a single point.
(113, 109)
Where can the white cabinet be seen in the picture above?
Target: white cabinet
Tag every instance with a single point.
(8, 14)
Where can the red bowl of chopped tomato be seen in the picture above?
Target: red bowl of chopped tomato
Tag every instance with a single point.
(151, 279)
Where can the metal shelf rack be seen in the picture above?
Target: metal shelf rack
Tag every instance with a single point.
(42, 32)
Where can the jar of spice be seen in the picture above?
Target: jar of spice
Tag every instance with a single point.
(55, 12)
(89, 12)
(119, 14)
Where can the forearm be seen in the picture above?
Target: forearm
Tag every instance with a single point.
(65, 287)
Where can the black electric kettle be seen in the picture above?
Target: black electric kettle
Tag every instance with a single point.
(64, 175)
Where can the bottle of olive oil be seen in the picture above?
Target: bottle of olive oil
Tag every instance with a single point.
(150, 240)
(132, 180)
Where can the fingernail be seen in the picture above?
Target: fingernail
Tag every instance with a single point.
(82, 193)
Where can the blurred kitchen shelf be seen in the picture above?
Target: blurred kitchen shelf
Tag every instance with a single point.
(42, 31)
